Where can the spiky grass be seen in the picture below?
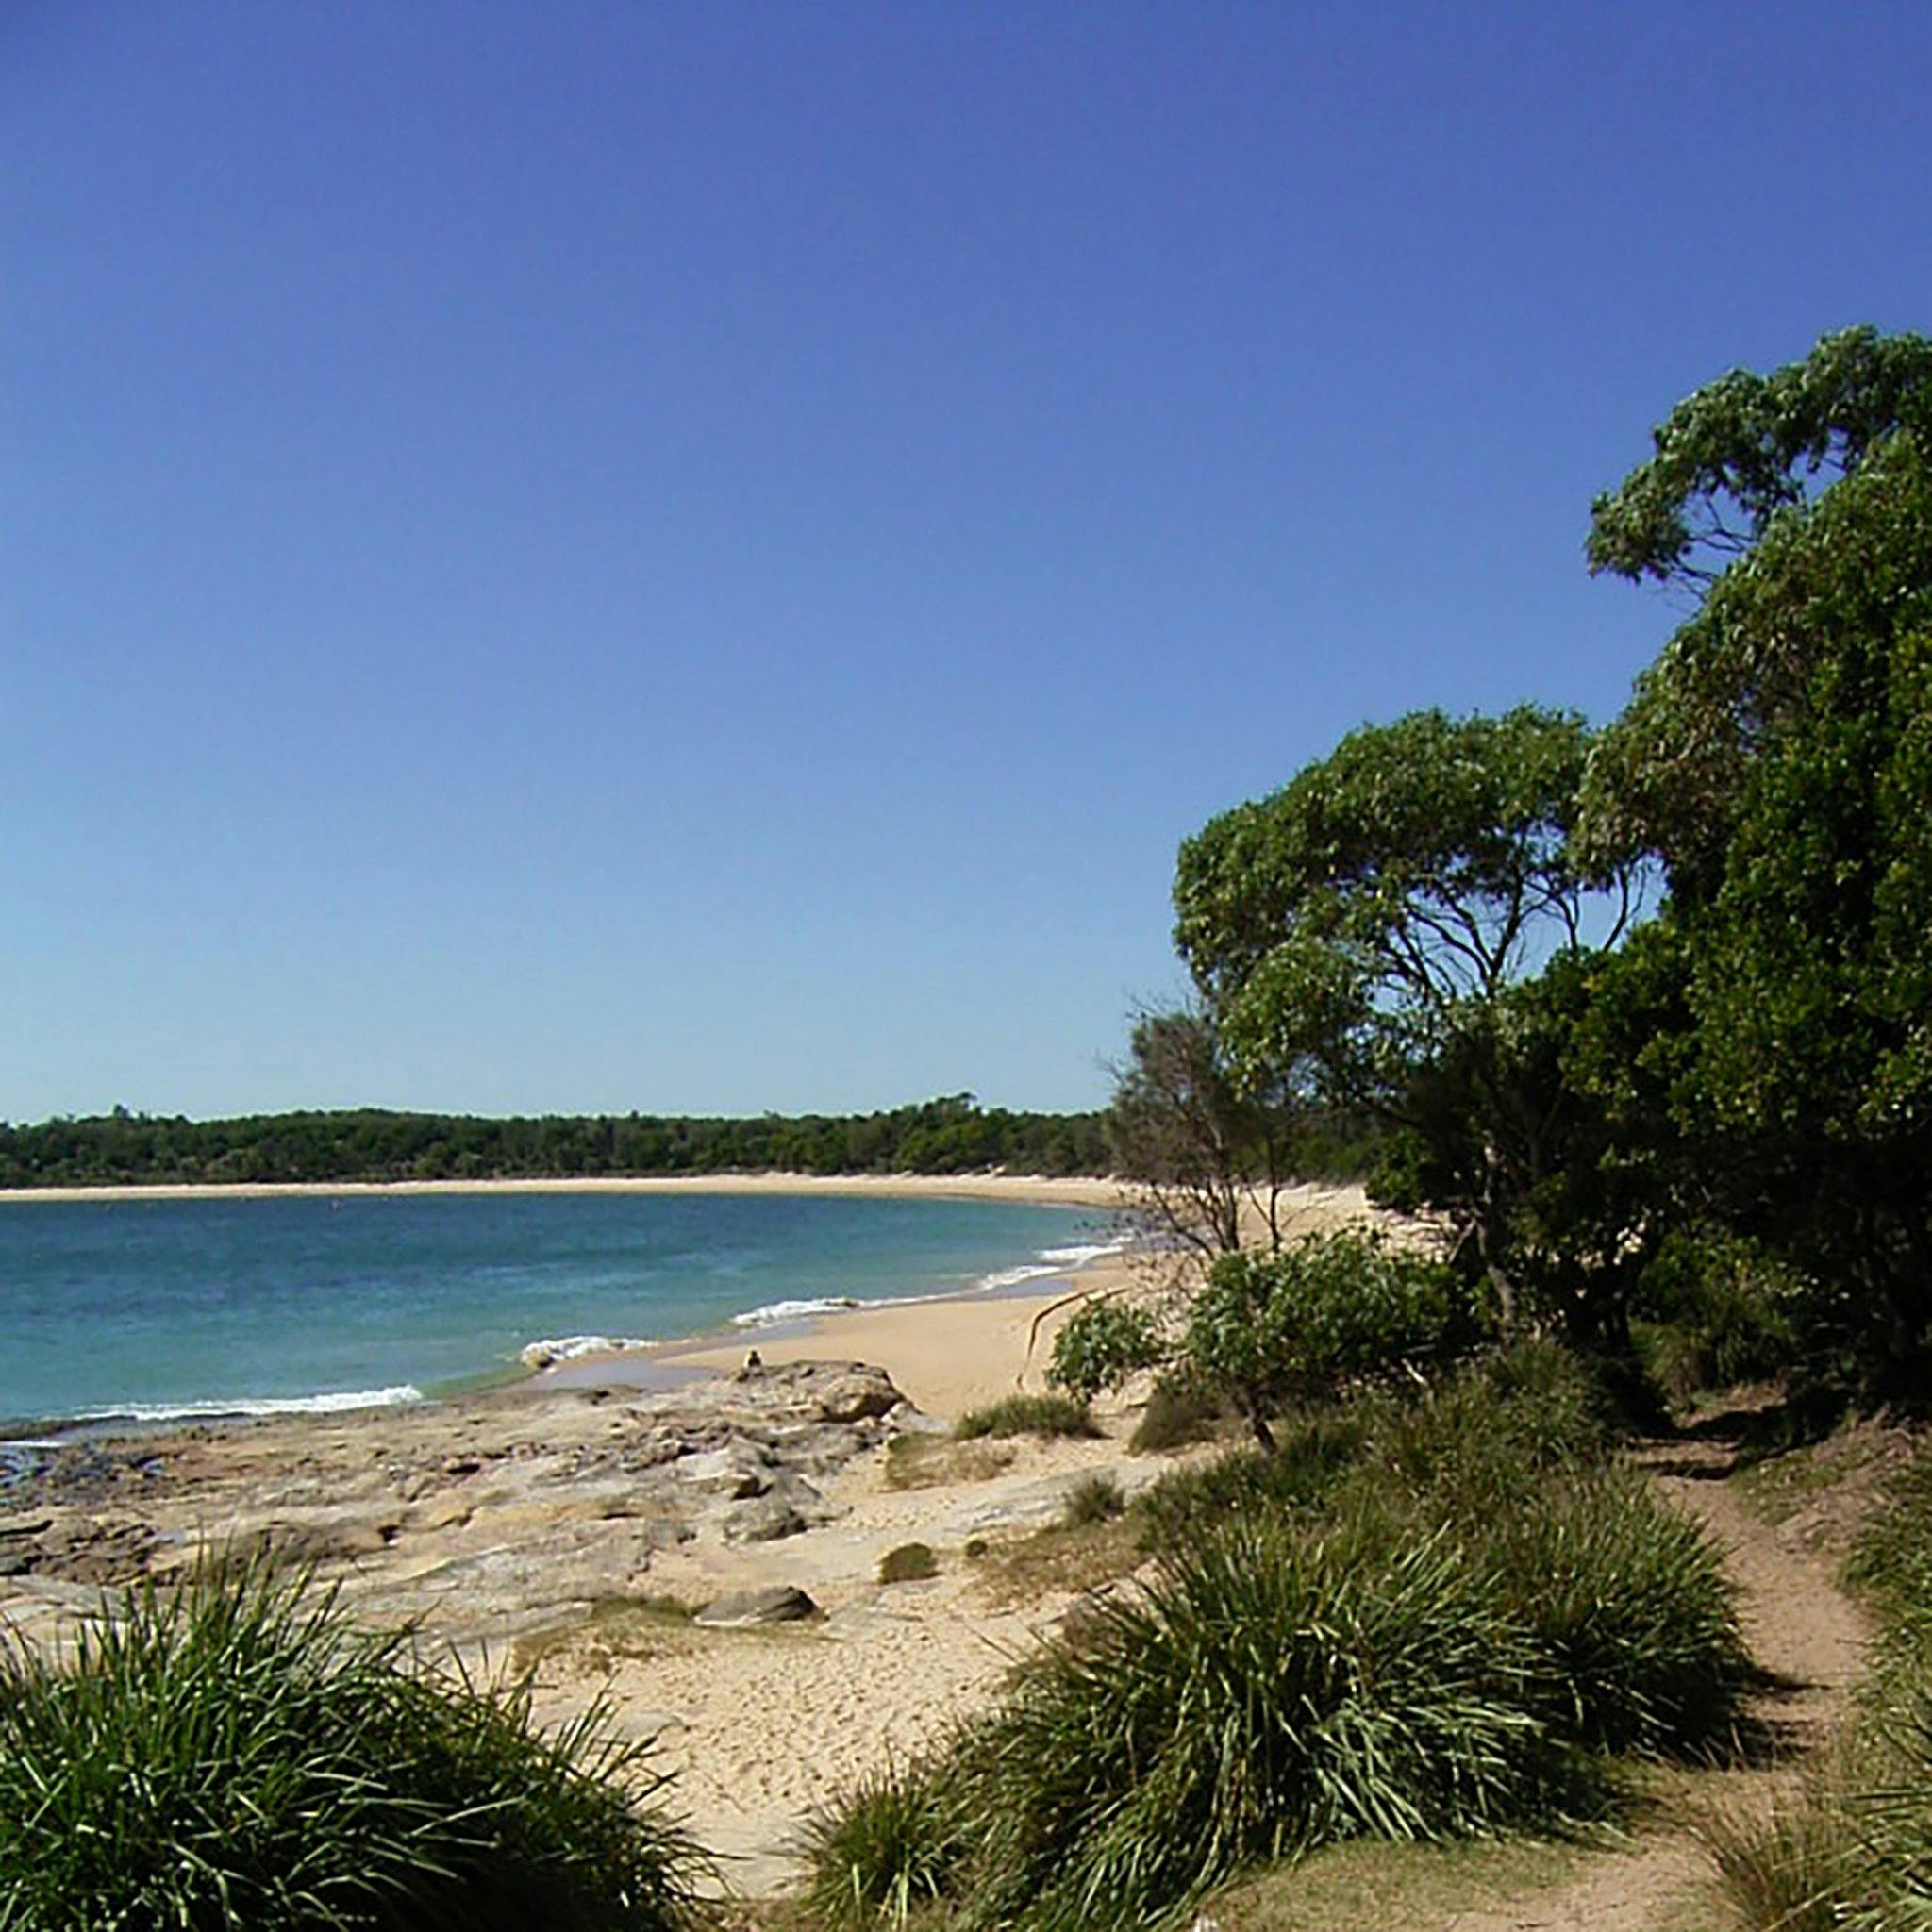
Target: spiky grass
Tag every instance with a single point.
(1093, 1499)
(1629, 1601)
(1269, 1693)
(1027, 1415)
(895, 1843)
(240, 1754)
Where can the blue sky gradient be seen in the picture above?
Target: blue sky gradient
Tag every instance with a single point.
(702, 558)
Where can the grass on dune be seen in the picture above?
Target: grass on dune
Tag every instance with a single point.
(1027, 1415)
(1424, 1618)
(239, 1755)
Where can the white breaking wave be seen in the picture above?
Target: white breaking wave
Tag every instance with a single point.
(1046, 1263)
(332, 1403)
(801, 1310)
(570, 1348)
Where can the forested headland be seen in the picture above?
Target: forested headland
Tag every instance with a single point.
(951, 1135)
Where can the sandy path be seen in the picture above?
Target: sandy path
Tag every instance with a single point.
(1800, 1627)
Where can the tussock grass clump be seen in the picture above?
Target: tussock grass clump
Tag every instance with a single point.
(1269, 1693)
(1027, 1415)
(908, 1563)
(1303, 1475)
(1093, 1499)
(1629, 1601)
(897, 1841)
(240, 1754)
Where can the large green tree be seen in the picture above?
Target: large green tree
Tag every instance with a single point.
(1778, 757)
(1368, 923)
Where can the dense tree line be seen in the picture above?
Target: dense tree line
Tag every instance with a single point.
(951, 1135)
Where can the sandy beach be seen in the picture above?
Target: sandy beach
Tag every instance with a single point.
(563, 1528)
(1046, 1189)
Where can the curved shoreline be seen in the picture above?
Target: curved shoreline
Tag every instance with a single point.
(1089, 1190)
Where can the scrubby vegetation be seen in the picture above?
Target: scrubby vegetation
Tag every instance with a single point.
(1027, 1415)
(1425, 1614)
(239, 1755)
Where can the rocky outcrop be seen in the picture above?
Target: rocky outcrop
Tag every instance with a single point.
(477, 1510)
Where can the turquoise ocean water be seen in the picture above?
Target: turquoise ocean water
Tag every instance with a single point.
(152, 1309)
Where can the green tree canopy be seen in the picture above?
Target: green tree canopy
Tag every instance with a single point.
(1747, 446)
(1346, 921)
(1778, 756)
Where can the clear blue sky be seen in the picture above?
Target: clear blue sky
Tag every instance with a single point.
(704, 557)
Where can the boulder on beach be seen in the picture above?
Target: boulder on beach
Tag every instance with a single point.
(745, 1609)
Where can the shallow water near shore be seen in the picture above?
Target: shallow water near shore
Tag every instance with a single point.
(161, 1309)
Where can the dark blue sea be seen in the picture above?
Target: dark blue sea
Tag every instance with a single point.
(148, 1310)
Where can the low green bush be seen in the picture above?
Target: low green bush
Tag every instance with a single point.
(1027, 1415)
(1628, 1600)
(1303, 1321)
(239, 1755)
(1100, 1345)
(1180, 1410)
(1268, 1693)
(894, 1842)
(1093, 1499)
(908, 1563)
(1716, 1310)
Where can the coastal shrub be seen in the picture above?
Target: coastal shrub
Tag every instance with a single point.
(1181, 1410)
(1303, 1320)
(908, 1563)
(1267, 1692)
(894, 1842)
(1300, 1475)
(1101, 1345)
(1027, 1415)
(1093, 1499)
(1629, 1601)
(237, 1755)
(1718, 1310)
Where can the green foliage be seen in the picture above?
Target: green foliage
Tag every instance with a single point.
(894, 1842)
(239, 1756)
(908, 1563)
(1427, 1614)
(1630, 1603)
(952, 1135)
(1778, 758)
(1741, 450)
(1306, 1319)
(1267, 1693)
(1723, 1311)
(1093, 1499)
(1100, 1345)
(1342, 919)
(1181, 1409)
(1027, 1415)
